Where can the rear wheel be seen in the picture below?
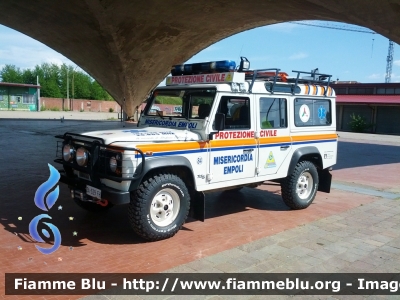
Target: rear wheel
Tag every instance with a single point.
(159, 207)
(300, 187)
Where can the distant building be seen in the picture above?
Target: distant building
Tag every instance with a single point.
(377, 103)
(18, 96)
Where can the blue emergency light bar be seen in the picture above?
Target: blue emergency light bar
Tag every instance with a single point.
(204, 68)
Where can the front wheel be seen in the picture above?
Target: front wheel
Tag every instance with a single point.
(159, 207)
(300, 187)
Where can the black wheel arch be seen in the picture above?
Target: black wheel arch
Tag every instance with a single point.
(178, 165)
(310, 153)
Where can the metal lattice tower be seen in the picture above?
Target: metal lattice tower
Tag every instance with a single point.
(389, 62)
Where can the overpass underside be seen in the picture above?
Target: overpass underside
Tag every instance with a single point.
(129, 46)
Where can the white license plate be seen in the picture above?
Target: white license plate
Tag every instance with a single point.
(91, 191)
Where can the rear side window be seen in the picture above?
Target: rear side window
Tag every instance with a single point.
(312, 112)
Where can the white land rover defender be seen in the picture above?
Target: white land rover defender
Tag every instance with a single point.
(216, 127)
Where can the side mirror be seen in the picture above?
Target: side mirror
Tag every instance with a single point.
(219, 122)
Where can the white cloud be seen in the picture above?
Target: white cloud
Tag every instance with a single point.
(29, 57)
(25, 52)
(55, 60)
(396, 62)
(395, 77)
(376, 76)
(300, 55)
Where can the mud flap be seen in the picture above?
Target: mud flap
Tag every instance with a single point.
(325, 180)
(198, 206)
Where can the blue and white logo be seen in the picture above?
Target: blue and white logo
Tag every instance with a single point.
(40, 202)
(321, 112)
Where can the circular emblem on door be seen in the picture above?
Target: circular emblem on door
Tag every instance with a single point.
(304, 113)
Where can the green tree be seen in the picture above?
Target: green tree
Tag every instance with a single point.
(12, 74)
(82, 86)
(49, 80)
(28, 77)
(97, 92)
(358, 123)
(53, 81)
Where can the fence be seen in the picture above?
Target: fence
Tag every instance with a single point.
(78, 105)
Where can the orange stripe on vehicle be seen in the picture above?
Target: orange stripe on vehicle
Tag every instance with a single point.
(299, 138)
(274, 140)
(233, 142)
(172, 146)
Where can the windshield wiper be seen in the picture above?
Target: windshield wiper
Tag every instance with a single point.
(160, 114)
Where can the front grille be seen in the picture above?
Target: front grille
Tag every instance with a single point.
(98, 166)
(83, 175)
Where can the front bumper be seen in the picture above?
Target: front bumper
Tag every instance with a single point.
(78, 185)
(96, 168)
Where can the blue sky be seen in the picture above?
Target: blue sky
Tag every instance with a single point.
(346, 55)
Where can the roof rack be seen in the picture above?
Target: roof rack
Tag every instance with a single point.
(275, 76)
(264, 74)
(315, 78)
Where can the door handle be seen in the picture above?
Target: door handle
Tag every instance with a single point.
(284, 147)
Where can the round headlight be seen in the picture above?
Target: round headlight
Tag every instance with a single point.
(82, 157)
(68, 152)
(113, 164)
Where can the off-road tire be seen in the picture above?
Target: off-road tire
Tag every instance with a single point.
(147, 205)
(92, 207)
(292, 186)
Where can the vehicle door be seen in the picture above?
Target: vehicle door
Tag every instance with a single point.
(233, 150)
(273, 132)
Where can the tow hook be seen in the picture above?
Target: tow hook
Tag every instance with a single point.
(102, 202)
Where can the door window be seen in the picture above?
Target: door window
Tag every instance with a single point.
(273, 113)
(236, 111)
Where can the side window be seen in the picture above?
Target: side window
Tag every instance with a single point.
(236, 111)
(273, 113)
(312, 112)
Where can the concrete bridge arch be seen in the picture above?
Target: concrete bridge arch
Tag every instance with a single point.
(129, 46)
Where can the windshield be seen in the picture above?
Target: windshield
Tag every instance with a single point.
(181, 103)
